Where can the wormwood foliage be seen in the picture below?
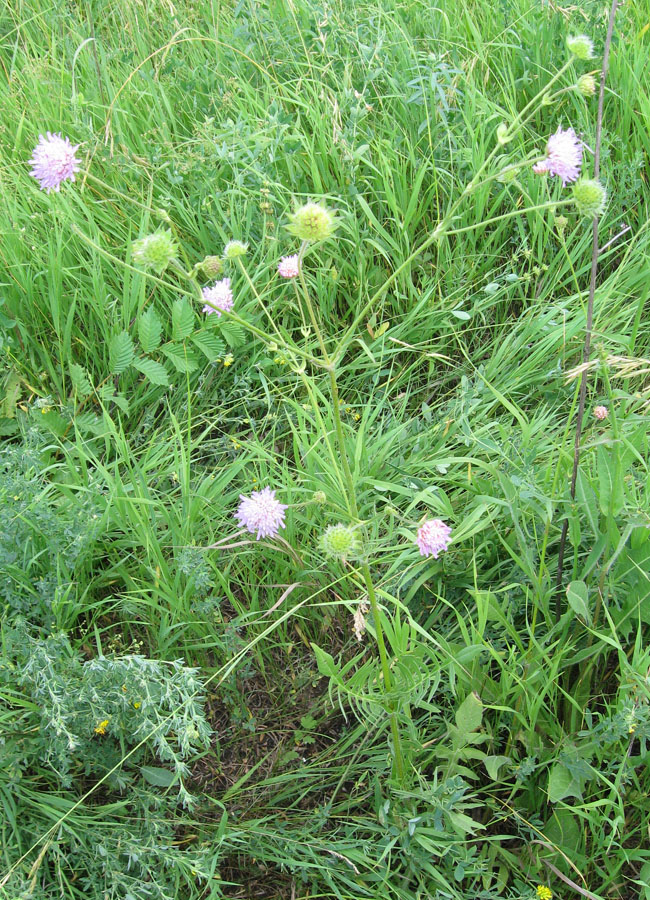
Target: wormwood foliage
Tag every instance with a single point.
(358, 687)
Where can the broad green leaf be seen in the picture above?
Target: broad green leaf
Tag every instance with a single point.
(562, 784)
(157, 776)
(325, 663)
(149, 330)
(493, 765)
(577, 593)
(154, 371)
(610, 481)
(182, 319)
(469, 714)
(121, 352)
(182, 359)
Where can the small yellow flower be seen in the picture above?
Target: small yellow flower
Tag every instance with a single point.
(348, 409)
(124, 688)
(356, 417)
(101, 728)
(137, 704)
(228, 360)
(543, 892)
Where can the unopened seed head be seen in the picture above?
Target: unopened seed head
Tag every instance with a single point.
(589, 196)
(155, 251)
(581, 46)
(312, 222)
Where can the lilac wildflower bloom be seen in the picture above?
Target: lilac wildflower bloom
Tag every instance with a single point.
(289, 266)
(53, 161)
(261, 513)
(219, 297)
(433, 537)
(563, 156)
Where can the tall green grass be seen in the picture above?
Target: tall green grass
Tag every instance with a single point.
(455, 401)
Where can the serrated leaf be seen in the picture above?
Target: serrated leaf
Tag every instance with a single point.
(157, 776)
(469, 714)
(121, 352)
(149, 330)
(154, 371)
(182, 359)
(121, 402)
(211, 346)
(182, 319)
(12, 393)
(233, 333)
(80, 380)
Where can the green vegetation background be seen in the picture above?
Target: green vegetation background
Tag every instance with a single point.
(164, 730)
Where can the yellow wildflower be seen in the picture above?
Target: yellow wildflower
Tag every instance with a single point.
(543, 892)
(228, 360)
(137, 704)
(101, 728)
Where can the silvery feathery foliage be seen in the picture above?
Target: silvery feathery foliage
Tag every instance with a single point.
(89, 710)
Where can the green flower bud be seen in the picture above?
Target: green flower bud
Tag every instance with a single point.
(503, 133)
(211, 266)
(589, 196)
(233, 249)
(340, 541)
(561, 223)
(581, 46)
(586, 84)
(312, 222)
(155, 251)
(319, 497)
(507, 175)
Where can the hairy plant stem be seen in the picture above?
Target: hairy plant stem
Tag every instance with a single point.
(590, 316)
(330, 366)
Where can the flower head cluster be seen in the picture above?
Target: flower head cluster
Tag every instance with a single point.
(543, 892)
(312, 222)
(155, 251)
(601, 412)
(581, 46)
(233, 249)
(340, 542)
(261, 513)
(433, 537)
(289, 266)
(53, 161)
(590, 197)
(218, 297)
(586, 84)
(211, 266)
(563, 156)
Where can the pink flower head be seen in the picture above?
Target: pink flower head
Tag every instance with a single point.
(53, 161)
(261, 513)
(289, 266)
(433, 537)
(601, 412)
(563, 156)
(219, 297)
